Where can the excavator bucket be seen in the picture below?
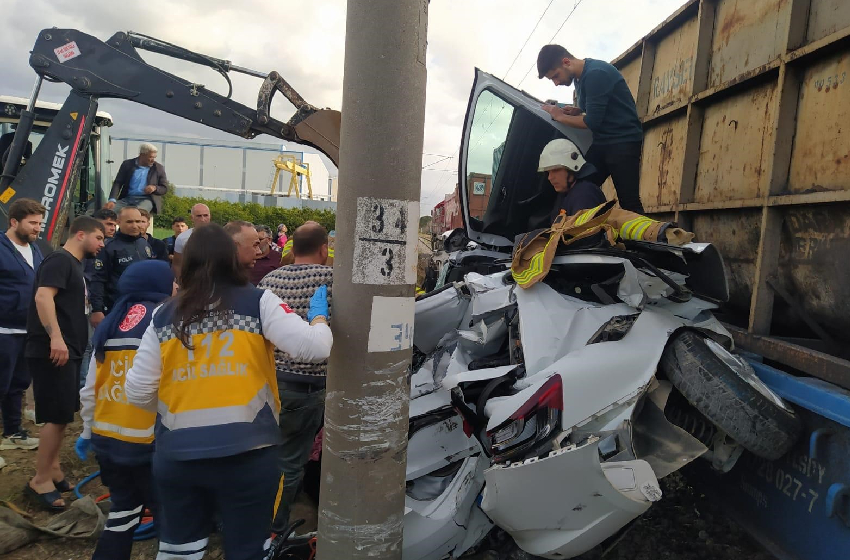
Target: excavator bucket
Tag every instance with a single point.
(321, 129)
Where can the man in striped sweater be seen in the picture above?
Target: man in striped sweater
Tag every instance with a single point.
(301, 385)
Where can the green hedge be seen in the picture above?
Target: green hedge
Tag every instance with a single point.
(223, 212)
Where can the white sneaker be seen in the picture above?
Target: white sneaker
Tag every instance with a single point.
(2, 463)
(21, 440)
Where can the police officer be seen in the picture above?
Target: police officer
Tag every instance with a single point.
(206, 363)
(110, 263)
(122, 434)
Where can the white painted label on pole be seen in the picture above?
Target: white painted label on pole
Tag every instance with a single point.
(391, 326)
(385, 243)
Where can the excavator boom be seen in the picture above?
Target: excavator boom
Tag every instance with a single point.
(96, 69)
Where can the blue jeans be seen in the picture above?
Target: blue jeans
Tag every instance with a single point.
(14, 380)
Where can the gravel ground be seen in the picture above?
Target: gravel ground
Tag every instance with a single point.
(18, 471)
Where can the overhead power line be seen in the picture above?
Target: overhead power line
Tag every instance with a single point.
(563, 23)
(527, 39)
(436, 162)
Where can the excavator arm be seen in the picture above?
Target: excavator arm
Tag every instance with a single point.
(96, 69)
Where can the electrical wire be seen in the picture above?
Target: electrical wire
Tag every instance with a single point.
(502, 108)
(563, 23)
(436, 162)
(527, 39)
(439, 184)
(505, 104)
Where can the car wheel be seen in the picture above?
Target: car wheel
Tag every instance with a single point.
(725, 389)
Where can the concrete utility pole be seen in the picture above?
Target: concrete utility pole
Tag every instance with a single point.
(365, 440)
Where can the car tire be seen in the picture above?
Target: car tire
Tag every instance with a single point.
(714, 381)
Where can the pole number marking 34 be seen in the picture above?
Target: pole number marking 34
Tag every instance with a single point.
(385, 242)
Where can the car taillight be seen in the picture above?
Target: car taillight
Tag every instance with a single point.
(532, 425)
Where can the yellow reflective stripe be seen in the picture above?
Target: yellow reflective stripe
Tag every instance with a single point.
(279, 495)
(587, 215)
(642, 229)
(219, 416)
(583, 218)
(535, 266)
(628, 229)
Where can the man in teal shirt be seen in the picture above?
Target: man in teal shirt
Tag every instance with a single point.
(607, 108)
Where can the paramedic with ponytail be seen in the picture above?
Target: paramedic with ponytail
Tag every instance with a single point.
(206, 364)
(120, 433)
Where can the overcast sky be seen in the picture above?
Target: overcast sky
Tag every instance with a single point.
(304, 41)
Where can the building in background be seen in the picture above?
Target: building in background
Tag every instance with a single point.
(231, 170)
(478, 187)
(448, 215)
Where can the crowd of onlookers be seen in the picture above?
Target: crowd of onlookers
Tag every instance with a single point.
(66, 314)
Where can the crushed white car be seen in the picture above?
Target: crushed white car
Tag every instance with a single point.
(552, 412)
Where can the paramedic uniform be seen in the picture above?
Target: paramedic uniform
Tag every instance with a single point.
(121, 434)
(216, 424)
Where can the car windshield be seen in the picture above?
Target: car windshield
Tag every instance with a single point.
(504, 193)
(487, 136)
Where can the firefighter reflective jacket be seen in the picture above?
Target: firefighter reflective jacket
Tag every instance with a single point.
(118, 430)
(534, 251)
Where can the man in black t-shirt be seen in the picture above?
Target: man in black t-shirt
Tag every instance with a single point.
(56, 340)
(567, 172)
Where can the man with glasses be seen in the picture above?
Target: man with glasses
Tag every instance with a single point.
(270, 258)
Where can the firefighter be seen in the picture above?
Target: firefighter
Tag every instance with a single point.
(567, 171)
(206, 362)
(121, 434)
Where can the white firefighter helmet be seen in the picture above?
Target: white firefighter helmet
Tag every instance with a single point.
(561, 153)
